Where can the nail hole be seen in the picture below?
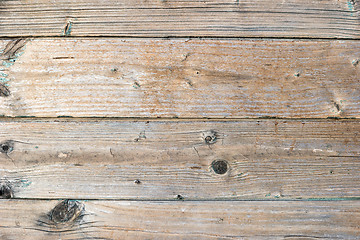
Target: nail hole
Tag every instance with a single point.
(210, 137)
(179, 197)
(137, 181)
(219, 166)
(66, 211)
(5, 148)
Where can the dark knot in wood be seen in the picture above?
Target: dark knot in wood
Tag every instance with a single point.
(220, 166)
(210, 137)
(7, 146)
(66, 211)
(6, 191)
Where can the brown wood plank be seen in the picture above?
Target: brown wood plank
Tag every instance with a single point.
(180, 78)
(181, 220)
(264, 159)
(231, 18)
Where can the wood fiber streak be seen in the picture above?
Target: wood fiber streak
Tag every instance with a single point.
(186, 220)
(139, 18)
(169, 160)
(182, 78)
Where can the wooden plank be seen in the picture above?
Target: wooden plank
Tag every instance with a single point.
(181, 78)
(182, 220)
(265, 159)
(231, 18)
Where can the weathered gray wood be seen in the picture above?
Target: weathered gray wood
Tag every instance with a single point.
(184, 220)
(93, 159)
(180, 78)
(270, 18)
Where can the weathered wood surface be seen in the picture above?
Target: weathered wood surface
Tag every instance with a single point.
(180, 78)
(266, 159)
(182, 220)
(231, 18)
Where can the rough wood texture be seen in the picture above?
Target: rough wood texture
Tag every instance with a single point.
(180, 78)
(184, 220)
(266, 159)
(270, 18)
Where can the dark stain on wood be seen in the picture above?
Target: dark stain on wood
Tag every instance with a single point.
(179, 197)
(12, 48)
(66, 211)
(220, 166)
(68, 28)
(7, 146)
(210, 137)
(4, 91)
(6, 191)
(66, 216)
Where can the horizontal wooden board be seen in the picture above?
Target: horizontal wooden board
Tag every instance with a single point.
(231, 18)
(180, 78)
(184, 220)
(169, 160)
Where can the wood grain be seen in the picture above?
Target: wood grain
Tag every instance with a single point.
(181, 78)
(266, 159)
(230, 18)
(185, 220)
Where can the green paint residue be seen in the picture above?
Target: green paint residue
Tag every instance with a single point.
(136, 85)
(4, 80)
(350, 6)
(355, 62)
(268, 195)
(8, 64)
(25, 183)
(17, 55)
(4, 77)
